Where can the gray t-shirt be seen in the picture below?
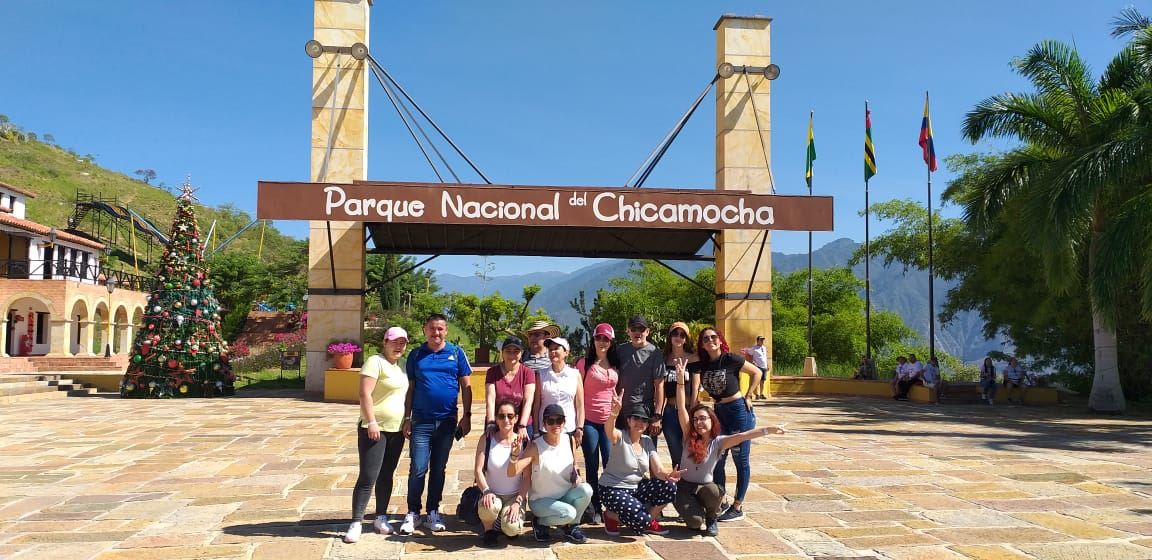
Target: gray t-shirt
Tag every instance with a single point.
(625, 469)
(701, 473)
(639, 369)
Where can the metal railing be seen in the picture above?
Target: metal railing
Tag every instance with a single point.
(24, 269)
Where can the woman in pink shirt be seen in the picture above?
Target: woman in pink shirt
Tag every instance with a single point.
(600, 371)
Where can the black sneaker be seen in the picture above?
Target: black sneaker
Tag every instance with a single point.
(733, 514)
(489, 539)
(711, 528)
(542, 533)
(575, 534)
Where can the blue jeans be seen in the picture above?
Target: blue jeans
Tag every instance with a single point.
(989, 386)
(428, 448)
(673, 434)
(596, 447)
(735, 418)
(564, 510)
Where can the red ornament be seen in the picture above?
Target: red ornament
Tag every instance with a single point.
(196, 282)
(173, 364)
(151, 326)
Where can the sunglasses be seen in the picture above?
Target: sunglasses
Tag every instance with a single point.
(710, 337)
(506, 416)
(603, 339)
(637, 329)
(678, 334)
(554, 421)
(701, 418)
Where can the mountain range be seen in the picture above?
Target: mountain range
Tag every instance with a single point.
(893, 288)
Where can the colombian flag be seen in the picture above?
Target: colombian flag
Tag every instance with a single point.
(926, 138)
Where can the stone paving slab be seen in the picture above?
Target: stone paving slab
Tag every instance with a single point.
(269, 475)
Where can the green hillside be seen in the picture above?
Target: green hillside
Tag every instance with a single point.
(55, 175)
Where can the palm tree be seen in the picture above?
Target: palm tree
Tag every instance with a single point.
(1080, 179)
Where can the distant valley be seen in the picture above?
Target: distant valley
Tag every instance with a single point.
(892, 289)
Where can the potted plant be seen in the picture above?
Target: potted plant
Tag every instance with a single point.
(341, 352)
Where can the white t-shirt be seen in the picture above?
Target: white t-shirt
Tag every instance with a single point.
(759, 356)
(558, 388)
(915, 368)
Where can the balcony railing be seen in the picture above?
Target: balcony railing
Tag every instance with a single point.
(86, 274)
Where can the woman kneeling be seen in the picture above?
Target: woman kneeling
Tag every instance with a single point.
(558, 497)
(697, 496)
(628, 496)
(502, 506)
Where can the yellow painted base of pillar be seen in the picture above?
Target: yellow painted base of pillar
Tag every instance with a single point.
(809, 367)
(342, 385)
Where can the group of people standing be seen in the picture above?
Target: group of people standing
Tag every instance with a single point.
(614, 403)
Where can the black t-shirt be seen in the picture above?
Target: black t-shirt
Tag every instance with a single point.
(720, 378)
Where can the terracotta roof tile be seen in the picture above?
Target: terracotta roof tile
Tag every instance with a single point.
(17, 190)
(41, 229)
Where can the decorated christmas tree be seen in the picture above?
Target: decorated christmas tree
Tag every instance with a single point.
(178, 350)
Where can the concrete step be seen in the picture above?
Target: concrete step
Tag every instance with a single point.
(9, 399)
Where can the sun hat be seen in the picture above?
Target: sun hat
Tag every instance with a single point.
(550, 330)
(682, 326)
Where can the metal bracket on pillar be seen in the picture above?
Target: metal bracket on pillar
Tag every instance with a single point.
(314, 48)
(741, 296)
(727, 70)
(336, 291)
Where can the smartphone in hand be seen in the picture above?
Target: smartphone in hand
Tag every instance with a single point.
(459, 434)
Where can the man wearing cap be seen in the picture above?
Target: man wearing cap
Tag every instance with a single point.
(438, 370)
(758, 355)
(641, 374)
(536, 356)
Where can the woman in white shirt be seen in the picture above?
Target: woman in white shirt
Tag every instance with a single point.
(558, 497)
(383, 387)
(561, 384)
(505, 496)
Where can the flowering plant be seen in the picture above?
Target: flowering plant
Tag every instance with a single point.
(346, 347)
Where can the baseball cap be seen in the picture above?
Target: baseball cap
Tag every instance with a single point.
(560, 341)
(637, 321)
(394, 333)
(512, 341)
(604, 329)
(553, 410)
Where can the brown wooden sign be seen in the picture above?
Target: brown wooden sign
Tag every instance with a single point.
(438, 203)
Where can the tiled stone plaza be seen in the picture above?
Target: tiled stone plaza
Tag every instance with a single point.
(269, 475)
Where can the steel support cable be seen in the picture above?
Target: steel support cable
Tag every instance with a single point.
(760, 131)
(662, 148)
(388, 87)
(324, 165)
(400, 88)
(411, 132)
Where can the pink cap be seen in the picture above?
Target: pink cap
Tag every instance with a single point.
(604, 329)
(395, 332)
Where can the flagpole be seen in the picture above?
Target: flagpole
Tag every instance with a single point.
(867, 262)
(810, 117)
(931, 268)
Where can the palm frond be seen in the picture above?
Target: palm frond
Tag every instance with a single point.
(1125, 70)
(1129, 21)
(1124, 247)
(1059, 73)
(984, 193)
(1027, 117)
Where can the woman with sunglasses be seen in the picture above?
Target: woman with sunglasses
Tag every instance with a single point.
(557, 497)
(600, 375)
(697, 494)
(629, 497)
(504, 496)
(718, 373)
(678, 346)
(383, 388)
(513, 381)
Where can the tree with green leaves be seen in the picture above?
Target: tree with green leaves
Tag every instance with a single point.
(1080, 182)
(659, 295)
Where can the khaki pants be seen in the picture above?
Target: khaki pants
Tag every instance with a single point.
(499, 509)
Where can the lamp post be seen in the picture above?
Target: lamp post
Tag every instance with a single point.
(110, 283)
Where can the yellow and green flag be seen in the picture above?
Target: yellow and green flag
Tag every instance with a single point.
(869, 151)
(811, 153)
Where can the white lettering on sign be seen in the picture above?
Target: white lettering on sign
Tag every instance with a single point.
(457, 207)
(613, 207)
(335, 197)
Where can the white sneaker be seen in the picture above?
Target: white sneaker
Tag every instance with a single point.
(409, 525)
(353, 533)
(433, 521)
(381, 525)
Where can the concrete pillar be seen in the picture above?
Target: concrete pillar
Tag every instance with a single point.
(339, 154)
(58, 342)
(88, 338)
(742, 160)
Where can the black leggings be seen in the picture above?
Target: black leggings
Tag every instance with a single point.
(378, 461)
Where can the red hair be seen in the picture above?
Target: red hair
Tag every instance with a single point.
(701, 352)
(694, 443)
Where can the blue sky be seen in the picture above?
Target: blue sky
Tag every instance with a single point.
(544, 93)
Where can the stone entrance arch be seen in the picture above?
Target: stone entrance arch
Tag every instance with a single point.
(339, 157)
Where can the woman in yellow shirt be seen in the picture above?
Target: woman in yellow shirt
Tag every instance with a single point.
(383, 387)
